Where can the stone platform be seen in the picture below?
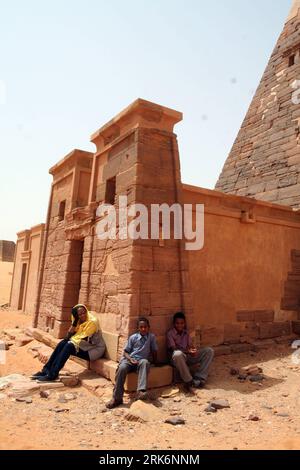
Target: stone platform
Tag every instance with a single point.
(158, 376)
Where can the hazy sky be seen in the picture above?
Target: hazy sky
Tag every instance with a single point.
(68, 66)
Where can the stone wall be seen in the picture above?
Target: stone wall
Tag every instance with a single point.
(60, 268)
(6, 276)
(120, 280)
(7, 251)
(26, 268)
(245, 282)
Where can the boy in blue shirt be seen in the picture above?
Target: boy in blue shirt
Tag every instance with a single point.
(137, 353)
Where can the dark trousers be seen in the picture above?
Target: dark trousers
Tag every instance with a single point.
(59, 357)
(125, 367)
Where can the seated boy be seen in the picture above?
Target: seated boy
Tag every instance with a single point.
(84, 340)
(183, 354)
(140, 347)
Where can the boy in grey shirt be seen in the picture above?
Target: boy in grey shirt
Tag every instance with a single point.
(137, 353)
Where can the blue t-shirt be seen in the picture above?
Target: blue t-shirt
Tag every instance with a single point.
(140, 347)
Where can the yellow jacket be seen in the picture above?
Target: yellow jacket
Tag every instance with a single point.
(86, 329)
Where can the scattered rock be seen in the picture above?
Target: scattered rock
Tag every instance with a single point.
(242, 377)
(27, 400)
(210, 409)
(51, 385)
(170, 393)
(176, 421)
(220, 404)
(67, 397)
(62, 400)
(33, 353)
(23, 340)
(296, 344)
(57, 409)
(143, 412)
(12, 333)
(253, 417)
(29, 331)
(23, 389)
(10, 379)
(175, 413)
(283, 415)
(93, 383)
(177, 400)
(257, 378)
(45, 394)
(71, 381)
(251, 370)
(267, 407)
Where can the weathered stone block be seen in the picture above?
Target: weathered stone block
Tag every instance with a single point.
(272, 330)
(296, 327)
(211, 335)
(233, 332)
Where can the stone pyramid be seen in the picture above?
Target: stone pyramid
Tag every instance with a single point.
(264, 162)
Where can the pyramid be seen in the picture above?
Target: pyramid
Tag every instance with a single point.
(264, 162)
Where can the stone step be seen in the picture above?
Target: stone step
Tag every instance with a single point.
(158, 376)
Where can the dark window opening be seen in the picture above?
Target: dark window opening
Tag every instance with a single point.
(62, 210)
(292, 60)
(110, 192)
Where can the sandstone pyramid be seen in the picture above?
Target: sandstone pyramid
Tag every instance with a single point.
(264, 162)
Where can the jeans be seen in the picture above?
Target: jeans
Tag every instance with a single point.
(59, 357)
(124, 368)
(203, 360)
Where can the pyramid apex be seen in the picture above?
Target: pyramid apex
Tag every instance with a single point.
(294, 10)
(261, 164)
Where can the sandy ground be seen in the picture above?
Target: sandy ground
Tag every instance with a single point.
(87, 425)
(6, 272)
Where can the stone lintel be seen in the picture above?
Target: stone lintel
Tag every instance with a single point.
(71, 160)
(140, 113)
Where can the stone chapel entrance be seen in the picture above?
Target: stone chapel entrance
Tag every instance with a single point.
(73, 275)
(22, 287)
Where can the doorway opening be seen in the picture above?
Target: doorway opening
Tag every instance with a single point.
(22, 286)
(73, 277)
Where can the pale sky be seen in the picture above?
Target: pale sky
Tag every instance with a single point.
(68, 66)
